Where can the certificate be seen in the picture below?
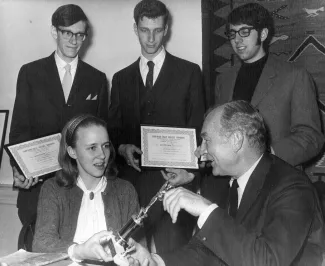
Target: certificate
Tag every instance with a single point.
(36, 157)
(168, 147)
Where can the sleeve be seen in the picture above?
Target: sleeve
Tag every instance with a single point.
(103, 100)
(305, 139)
(47, 237)
(285, 229)
(20, 124)
(196, 106)
(114, 114)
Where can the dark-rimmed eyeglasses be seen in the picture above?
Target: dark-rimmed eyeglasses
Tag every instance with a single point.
(243, 32)
(66, 34)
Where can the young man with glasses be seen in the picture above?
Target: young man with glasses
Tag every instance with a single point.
(284, 94)
(52, 90)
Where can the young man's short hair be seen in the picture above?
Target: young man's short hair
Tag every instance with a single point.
(151, 9)
(68, 15)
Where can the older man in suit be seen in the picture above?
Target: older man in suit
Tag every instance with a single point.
(52, 90)
(284, 94)
(157, 89)
(266, 212)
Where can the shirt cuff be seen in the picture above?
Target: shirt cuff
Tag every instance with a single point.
(70, 253)
(205, 215)
(158, 259)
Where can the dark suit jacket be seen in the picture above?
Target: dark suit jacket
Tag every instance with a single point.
(285, 96)
(40, 107)
(279, 222)
(179, 100)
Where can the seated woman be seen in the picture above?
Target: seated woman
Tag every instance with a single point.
(85, 197)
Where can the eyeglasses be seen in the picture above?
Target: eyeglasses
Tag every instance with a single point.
(243, 32)
(66, 34)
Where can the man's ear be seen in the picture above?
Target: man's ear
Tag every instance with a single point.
(54, 32)
(264, 34)
(237, 140)
(166, 29)
(135, 28)
(71, 152)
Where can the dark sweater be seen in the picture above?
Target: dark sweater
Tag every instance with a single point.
(247, 79)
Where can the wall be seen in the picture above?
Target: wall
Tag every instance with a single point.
(25, 36)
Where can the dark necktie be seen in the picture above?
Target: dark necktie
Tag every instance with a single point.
(149, 79)
(233, 199)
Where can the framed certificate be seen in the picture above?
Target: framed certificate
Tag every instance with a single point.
(36, 157)
(168, 147)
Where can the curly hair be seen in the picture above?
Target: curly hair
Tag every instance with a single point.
(255, 15)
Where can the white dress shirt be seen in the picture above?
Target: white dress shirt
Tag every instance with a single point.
(158, 61)
(60, 63)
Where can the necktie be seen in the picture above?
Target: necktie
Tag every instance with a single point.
(67, 82)
(233, 199)
(149, 79)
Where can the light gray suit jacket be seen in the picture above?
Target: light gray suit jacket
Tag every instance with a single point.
(286, 97)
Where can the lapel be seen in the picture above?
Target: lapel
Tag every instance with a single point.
(134, 88)
(79, 76)
(254, 186)
(229, 83)
(265, 82)
(54, 87)
(167, 75)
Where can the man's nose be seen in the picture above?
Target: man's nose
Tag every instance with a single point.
(238, 38)
(73, 39)
(151, 37)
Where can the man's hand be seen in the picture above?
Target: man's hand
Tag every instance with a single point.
(177, 177)
(181, 198)
(127, 151)
(20, 181)
(92, 249)
(141, 256)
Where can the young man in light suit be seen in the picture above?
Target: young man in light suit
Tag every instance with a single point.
(49, 94)
(284, 94)
(172, 95)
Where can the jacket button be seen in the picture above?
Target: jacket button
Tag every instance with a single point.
(204, 238)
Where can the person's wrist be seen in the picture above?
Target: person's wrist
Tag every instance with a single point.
(73, 252)
(121, 149)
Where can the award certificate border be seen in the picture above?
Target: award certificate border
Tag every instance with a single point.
(13, 149)
(145, 130)
(3, 129)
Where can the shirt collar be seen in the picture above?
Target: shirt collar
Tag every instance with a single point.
(243, 179)
(158, 60)
(61, 63)
(99, 188)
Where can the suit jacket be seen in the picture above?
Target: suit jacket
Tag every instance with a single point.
(285, 96)
(178, 101)
(40, 108)
(279, 222)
